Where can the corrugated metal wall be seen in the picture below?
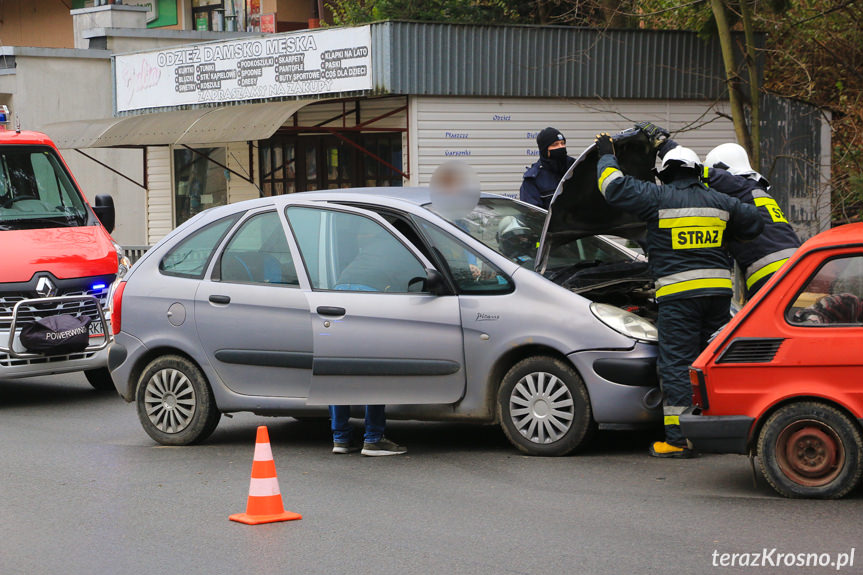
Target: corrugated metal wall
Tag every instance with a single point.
(531, 61)
(498, 136)
(797, 161)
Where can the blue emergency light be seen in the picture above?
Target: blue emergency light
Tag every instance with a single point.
(4, 116)
(99, 286)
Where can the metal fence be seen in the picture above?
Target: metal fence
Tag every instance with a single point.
(134, 253)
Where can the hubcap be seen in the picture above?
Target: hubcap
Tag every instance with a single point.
(541, 407)
(170, 400)
(810, 453)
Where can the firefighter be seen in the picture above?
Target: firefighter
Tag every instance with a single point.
(687, 225)
(729, 172)
(541, 179)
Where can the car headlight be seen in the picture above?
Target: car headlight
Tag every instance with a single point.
(625, 322)
(123, 262)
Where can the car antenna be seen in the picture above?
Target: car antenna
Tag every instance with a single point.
(17, 123)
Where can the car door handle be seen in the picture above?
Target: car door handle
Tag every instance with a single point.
(220, 299)
(331, 310)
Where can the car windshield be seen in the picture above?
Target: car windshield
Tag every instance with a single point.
(514, 230)
(36, 191)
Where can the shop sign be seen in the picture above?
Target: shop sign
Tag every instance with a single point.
(302, 63)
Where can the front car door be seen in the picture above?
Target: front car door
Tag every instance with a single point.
(379, 336)
(252, 317)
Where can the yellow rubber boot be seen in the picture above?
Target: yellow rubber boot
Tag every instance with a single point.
(663, 449)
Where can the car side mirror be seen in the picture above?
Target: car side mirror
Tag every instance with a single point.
(434, 283)
(104, 210)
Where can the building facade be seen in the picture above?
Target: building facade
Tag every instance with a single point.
(173, 122)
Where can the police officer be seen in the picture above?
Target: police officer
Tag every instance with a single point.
(541, 179)
(731, 174)
(686, 228)
(728, 171)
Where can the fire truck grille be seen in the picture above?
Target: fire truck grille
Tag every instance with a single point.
(33, 311)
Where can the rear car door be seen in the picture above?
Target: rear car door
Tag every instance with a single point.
(252, 317)
(379, 336)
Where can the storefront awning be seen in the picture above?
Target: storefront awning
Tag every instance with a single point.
(189, 127)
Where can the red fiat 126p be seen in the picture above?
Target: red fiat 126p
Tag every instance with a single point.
(784, 379)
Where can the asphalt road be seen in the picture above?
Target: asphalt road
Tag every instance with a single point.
(84, 490)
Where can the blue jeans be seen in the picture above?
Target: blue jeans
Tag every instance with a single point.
(376, 421)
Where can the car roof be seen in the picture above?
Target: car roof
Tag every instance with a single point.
(415, 195)
(24, 138)
(838, 236)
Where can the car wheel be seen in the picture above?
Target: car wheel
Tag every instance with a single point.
(544, 408)
(175, 403)
(809, 449)
(100, 379)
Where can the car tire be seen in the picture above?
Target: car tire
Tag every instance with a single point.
(100, 379)
(809, 449)
(543, 407)
(175, 403)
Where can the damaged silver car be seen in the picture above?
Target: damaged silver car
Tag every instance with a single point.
(281, 306)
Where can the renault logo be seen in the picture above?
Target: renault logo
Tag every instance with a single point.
(45, 287)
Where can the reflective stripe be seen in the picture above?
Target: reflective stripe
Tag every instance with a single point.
(609, 174)
(693, 275)
(693, 285)
(758, 265)
(758, 193)
(693, 212)
(263, 452)
(772, 208)
(672, 420)
(689, 221)
(706, 177)
(673, 409)
(765, 271)
(264, 487)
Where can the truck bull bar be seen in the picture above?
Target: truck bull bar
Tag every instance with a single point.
(107, 336)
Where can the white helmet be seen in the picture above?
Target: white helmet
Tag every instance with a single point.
(680, 156)
(731, 157)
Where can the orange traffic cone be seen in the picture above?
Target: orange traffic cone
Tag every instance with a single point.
(265, 499)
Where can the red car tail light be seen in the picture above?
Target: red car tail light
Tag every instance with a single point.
(117, 308)
(699, 389)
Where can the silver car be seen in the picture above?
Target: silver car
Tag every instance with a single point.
(284, 305)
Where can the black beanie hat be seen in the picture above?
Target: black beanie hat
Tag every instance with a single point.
(546, 138)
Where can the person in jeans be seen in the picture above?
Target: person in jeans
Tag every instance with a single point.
(374, 442)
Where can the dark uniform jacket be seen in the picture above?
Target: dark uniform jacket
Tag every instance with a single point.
(765, 254)
(687, 225)
(540, 182)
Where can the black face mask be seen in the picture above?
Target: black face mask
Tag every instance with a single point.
(558, 159)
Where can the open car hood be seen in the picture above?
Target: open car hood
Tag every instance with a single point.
(577, 208)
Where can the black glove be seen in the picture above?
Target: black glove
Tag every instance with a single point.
(604, 144)
(665, 147)
(656, 134)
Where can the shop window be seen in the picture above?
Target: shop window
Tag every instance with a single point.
(833, 296)
(387, 147)
(323, 162)
(208, 15)
(199, 183)
(278, 168)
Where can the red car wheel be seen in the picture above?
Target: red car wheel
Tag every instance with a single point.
(809, 449)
